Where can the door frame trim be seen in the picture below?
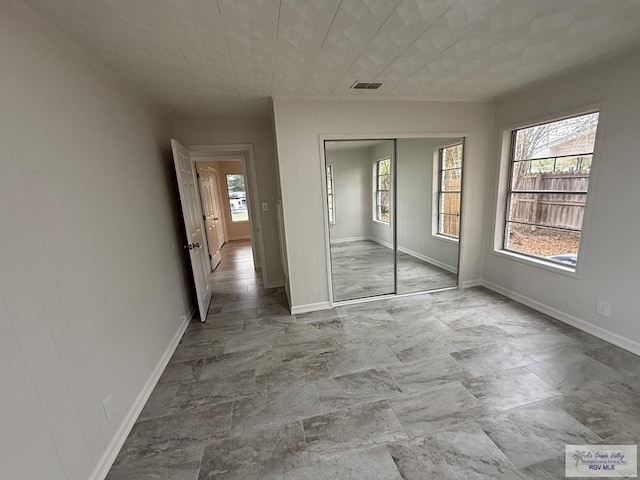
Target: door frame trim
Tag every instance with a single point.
(245, 153)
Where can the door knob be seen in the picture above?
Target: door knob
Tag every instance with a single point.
(216, 218)
(191, 246)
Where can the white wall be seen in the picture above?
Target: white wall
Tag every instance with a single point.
(609, 254)
(299, 123)
(92, 279)
(259, 132)
(352, 192)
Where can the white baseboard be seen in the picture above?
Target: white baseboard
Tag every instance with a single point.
(472, 283)
(380, 242)
(430, 260)
(106, 461)
(275, 284)
(596, 331)
(417, 255)
(349, 239)
(310, 307)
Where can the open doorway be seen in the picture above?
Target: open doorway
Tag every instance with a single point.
(225, 210)
(236, 194)
(235, 163)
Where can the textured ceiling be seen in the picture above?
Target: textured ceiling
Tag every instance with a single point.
(226, 57)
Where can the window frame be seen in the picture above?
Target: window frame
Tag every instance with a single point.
(437, 191)
(507, 151)
(376, 190)
(244, 181)
(331, 199)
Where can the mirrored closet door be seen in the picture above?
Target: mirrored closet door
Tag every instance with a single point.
(359, 203)
(393, 208)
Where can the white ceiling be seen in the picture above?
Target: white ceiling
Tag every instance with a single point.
(226, 57)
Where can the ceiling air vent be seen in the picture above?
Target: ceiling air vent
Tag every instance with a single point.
(366, 85)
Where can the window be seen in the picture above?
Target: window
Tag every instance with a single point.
(237, 197)
(330, 201)
(383, 181)
(548, 183)
(449, 188)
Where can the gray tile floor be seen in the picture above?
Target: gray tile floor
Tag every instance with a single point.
(463, 384)
(365, 269)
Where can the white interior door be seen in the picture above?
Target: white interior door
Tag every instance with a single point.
(217, 209)
(194, 228)
(210, 224)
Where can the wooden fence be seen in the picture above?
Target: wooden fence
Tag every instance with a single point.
(551, 209)
(450, 224)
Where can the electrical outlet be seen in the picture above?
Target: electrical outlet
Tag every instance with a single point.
(107, 406)
(265, 207)
(603, 308)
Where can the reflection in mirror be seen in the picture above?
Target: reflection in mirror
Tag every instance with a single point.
(359, 178)
(429, 181)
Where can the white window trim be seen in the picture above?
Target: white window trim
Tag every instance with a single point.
(435, 190)
(333, 195)
(375, 190)
(504, 143)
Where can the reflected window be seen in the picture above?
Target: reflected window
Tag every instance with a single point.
(547, 188)
(449, 190)
(383, 182)
(331, 206)
(237, 197)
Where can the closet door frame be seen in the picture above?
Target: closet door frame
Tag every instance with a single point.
(325, 137)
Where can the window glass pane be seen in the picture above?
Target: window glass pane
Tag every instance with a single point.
(451, 179)
(237, 197)
(449, 225)
(543, 242)
(384, 182)
(450, 203)
(383, 198)
(452, 156)
(571, 136)
(384, 167)
(552, 210)
(567, 173)
(382, 213)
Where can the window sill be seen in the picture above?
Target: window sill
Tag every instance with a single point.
(445, 238)
(388, 224)
(538, 263)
